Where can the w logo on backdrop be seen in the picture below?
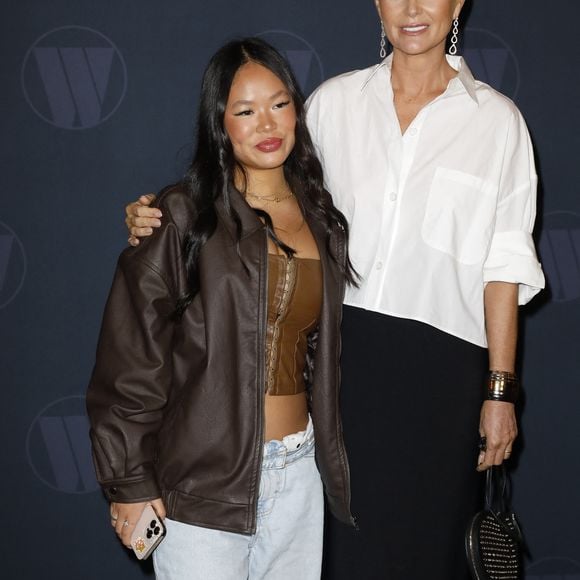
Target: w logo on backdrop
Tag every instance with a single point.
(560, 254)
(12, 265)
(303, 59)
(492, 60)
(74, 77)
(59, 449)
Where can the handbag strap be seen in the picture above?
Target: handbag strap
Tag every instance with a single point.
(496, 491)
(497, 502)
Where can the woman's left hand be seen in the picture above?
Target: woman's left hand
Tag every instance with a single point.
(498, 425)
(124, 516)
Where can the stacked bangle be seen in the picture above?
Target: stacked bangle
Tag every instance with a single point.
(503, 386)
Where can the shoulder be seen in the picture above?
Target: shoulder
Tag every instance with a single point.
(162, 250)
(344, 86)
(177, 208)
(496, 105)
(352, 80)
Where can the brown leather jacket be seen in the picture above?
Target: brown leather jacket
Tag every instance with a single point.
(176, 408)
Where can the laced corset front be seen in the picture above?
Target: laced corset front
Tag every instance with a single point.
(294, 303)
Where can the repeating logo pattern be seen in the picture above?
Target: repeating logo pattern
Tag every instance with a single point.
(492, 60)
(58, 447)
(560, 253)
(554, 569)
(74, 77)
(301, 55)
(12, 265)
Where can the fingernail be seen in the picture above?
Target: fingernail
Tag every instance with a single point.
(157, 223)
(158, 213)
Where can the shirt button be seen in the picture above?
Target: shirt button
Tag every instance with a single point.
(113, 490)
(379, 265)
(413, 132)
(393, 196)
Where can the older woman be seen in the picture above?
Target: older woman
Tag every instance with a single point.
(434, 171)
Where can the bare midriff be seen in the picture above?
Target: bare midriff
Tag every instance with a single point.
(294, 302)
(285, 414)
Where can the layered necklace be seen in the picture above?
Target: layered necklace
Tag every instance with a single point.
(276, 198)
(271, 198)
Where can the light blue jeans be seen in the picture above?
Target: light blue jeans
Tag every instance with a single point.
(287, 544)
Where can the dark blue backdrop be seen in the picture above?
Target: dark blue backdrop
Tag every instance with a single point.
(98, 105)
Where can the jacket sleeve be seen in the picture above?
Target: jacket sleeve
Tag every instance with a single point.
(131, 379)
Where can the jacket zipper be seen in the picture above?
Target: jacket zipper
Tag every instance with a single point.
(263, 311)
(341, 256)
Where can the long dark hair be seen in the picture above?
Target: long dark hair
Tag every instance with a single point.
(214, 166)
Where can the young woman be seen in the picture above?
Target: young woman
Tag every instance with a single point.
(216, 380)
(434, 171)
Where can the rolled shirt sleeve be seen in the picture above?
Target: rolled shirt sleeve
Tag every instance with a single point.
(512, 254)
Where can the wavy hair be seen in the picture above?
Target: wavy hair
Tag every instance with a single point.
(211, 174)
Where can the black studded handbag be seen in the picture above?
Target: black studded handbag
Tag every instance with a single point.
(493, 540)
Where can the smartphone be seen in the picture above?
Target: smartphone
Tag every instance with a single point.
(148, 533)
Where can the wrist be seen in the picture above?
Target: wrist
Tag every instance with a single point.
(502, 386)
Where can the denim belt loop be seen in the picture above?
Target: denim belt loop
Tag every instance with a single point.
(277, 456)
(274, 455)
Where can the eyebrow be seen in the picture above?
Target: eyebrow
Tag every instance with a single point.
(273, 97)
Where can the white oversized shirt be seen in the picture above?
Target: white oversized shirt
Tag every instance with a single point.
(435, 213)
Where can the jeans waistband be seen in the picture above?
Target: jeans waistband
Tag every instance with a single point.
(278, 454)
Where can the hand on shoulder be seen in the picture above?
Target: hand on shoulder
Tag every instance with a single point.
(141, 218)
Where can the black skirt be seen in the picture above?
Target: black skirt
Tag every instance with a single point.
(410, 396)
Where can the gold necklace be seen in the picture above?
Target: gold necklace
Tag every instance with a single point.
(274, 197)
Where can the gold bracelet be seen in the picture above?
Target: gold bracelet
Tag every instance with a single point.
(503, 386)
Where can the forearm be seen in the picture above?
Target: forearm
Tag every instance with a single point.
(498, 422)
(501, 322)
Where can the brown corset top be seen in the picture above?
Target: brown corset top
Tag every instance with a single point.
(294, 302)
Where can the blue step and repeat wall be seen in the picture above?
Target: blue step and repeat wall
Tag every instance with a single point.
(98, 105)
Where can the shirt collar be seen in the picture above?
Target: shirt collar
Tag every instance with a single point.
(464, 75)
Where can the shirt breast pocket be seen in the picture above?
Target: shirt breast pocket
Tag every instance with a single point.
(459, 215)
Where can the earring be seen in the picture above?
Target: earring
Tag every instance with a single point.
(383, 43)
(455, 32)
